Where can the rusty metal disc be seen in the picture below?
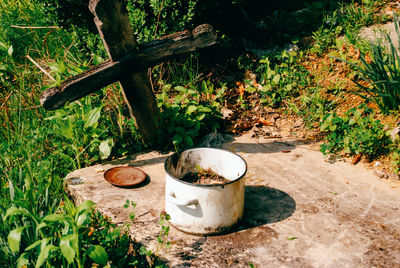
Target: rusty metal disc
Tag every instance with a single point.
(124, 176)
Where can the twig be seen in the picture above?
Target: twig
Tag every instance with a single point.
(5, 101)
(40, 68)
(158, 18)
(36, 27)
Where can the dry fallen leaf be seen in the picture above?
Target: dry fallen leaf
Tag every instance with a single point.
(356, 159)
(240, 88)
(352, 51)
(368, 59)
(265, 122)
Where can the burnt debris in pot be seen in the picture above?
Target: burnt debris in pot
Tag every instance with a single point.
(185, 167)
(204, 177)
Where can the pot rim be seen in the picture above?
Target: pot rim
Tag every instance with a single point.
(205, 185)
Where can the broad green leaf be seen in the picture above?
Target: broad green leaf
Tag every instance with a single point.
(97, 60)
(82, 218)
(98, 254)
(352, 121)
(44, 254)
(14, 239)
(177, 139)
(190, 109)
(180, 88)
(23, 260)
(15, 211)
(166, 87)
(73, 238)
(201, 117)
(180, 130)
(54, 218)
(66, 249)
(66, 129)
(35, 244)
(40, 226)
(332, 127)
(204, 109)
(276, 78)
(346, 140)
(69, 206)
(357, 114)
(88, 204)
(93, 117)
(251, 89)
(10, 51)
(105, 148)
(188, 141)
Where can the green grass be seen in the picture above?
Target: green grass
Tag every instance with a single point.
(38, 148)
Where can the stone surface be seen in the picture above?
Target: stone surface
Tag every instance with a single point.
(374, 33)
(300, 211)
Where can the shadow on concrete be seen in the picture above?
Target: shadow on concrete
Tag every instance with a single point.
(265, 205)
(133, 162)
(193, 251)
(264, 147)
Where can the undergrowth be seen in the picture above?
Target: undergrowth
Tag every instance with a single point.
(355, 133)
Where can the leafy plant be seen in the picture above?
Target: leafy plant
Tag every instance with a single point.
(312, 106)
(281, 77)
(381, 72)
(325, 37)
(154, 18)
(78, 125)
(132, 205)
(162, 238)
(189, 112)
(66, 236)
(396, 160)
(355, 133)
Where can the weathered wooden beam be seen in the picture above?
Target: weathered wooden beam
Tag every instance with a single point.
(112, 21)
(111, 71)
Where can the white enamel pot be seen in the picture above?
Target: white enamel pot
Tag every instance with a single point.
(204, 209)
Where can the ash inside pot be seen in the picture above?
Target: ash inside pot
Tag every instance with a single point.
(204, 177)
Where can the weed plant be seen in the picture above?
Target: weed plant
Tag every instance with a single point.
(188, 113)
(381, 72)
(282, 78)
(355, 133)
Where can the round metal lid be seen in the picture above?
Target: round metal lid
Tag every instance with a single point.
(125, 176)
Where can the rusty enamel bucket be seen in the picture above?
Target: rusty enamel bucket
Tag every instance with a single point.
(205, 209)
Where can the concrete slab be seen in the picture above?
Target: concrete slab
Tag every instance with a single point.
(300, 211)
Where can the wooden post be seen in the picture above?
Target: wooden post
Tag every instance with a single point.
(112, 22)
